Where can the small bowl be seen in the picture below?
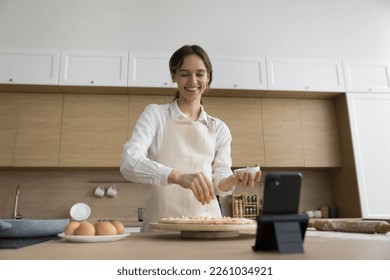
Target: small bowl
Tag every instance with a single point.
(252, 170)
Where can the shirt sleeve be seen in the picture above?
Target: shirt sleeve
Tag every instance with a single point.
(222, 161)
(135, 164)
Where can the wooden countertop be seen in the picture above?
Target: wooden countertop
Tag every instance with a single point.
(170, 246)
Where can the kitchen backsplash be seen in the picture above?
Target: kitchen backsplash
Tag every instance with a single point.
(50, 193)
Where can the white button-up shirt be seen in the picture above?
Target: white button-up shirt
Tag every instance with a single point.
(140, 153)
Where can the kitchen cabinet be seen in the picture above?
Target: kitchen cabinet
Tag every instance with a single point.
(137, 104)
(282, 133)
(9, 109)
(367, 76)
(39, 130)
(88, 130)
(243, 116)
(29, 66)
(93, 68)
(300, 133)
(320, 138)
(239, 72)
(369, 115)
(305, 74)
(149, 70)
(94, 128)
(30, 127)
(152, 70)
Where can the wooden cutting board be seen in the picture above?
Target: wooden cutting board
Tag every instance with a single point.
(207, 231)
(351, 225)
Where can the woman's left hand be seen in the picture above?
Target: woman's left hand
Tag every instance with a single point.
(246, 179)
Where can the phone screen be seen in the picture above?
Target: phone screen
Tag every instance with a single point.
(281, 193)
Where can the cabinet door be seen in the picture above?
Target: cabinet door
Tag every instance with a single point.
(39, 130)
(319, 133)
(9, 110)
(239, 73)
(25, 66)
(282, 132)
(244, 119)
(149, 70)
(369, 117)
(302, 74)
(137, 104)
(367, 76)
(93, 68)
(94, 128)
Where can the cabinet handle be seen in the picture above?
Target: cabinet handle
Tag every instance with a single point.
(235, 85)
(165, 84)
(307, 87)
(370, 89)
(92, 82)
(11, 80)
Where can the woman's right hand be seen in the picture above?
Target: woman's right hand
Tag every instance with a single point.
(198, 183)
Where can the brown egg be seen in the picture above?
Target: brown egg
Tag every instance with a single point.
(105, 228)
(120, 228)
(85, 228)
(71, 228)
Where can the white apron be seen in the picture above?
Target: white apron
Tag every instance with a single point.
(188, 147)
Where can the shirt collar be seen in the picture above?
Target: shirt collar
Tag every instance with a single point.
(177, 114)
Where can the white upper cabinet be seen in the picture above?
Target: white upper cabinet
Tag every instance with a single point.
(239, 72)
(305, 74)
(149, 70)
(29, 66)
(367, 76)
(152, 70)
(93, 68)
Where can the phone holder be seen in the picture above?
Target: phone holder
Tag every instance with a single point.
(282, 232)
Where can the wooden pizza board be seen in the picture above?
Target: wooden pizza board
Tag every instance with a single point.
(207, 231)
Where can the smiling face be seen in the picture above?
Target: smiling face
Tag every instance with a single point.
(192, 78)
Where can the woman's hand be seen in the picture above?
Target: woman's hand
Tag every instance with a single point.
(239, 180)
(198, 183)
(246, 179)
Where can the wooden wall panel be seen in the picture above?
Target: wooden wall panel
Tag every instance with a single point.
(9, 110)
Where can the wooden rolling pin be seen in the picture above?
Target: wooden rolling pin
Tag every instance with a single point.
(352, 225)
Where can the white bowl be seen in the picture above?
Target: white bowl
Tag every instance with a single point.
(252, 170)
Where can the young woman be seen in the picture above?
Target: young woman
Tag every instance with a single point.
(181, 150)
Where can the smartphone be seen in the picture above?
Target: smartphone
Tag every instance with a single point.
(281, 193)
(280, 226)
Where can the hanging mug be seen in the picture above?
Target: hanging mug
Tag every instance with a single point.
(99, 191)
(112, 192)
